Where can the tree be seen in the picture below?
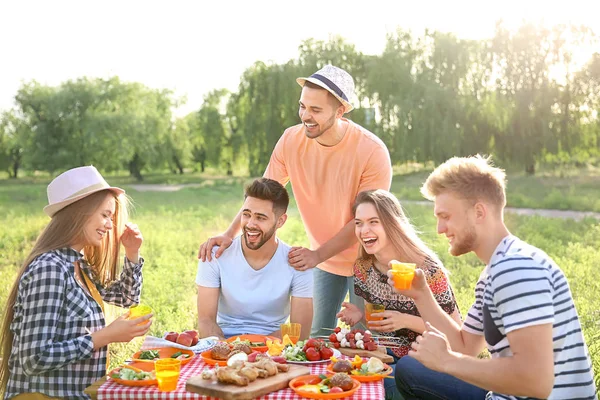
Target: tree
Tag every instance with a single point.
(211, 132)
(523, 59)
(13, 136)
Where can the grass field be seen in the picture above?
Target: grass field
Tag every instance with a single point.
(175, 223)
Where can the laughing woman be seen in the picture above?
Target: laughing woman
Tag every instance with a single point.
(386, 234)
(54, 338)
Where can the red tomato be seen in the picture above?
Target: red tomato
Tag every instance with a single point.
(311, 343)
(326, 353)
(312, 354)
(336, 389)
(337, 329)
(333, 338)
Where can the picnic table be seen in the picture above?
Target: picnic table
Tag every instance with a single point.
(106, 389)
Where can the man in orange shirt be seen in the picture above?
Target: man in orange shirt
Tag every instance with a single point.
(329, 160)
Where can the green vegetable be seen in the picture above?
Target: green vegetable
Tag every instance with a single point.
(175, 355)
(294, 353)
(130, 375)
(149, 355)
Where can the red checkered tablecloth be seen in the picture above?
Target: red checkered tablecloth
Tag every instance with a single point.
(113, 391)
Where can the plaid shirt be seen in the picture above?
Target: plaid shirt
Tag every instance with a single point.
(52, 351)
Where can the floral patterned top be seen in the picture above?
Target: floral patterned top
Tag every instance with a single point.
(372, 285)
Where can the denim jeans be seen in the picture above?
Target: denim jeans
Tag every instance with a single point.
(329, 293)
(415, 381)
(391, 390)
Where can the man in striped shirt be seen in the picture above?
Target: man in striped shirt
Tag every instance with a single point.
(523, 309)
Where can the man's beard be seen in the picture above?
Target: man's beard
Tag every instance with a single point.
(465, 245)
(265, 237)
(327, 125)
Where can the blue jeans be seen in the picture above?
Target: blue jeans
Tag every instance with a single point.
(329, 293)
(415, 381)
(391, 390)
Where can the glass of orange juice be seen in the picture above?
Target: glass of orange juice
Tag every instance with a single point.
(402, 274)
(292, 330)
(167, 373)
(139, 311)
(371, 309)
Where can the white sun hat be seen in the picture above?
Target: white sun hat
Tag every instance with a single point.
(73, 185)
(336, 81)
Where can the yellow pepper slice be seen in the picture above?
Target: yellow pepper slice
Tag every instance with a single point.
(357, 362)
(275, 347)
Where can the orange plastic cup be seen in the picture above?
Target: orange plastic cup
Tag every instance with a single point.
(292, 330)
(139, 311)
(371, 309)
(402, 274)
(167, 373)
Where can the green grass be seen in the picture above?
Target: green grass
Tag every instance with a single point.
(561, 189)
(550, 190)
(175, 223)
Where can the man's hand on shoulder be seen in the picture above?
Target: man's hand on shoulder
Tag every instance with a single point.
(302, 259)
(205, 252)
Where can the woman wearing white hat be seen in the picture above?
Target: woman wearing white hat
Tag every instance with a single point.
(54, 338)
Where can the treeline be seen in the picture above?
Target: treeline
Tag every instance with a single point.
(519, 96)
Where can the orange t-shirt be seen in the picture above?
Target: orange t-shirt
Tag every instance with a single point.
(326, 180)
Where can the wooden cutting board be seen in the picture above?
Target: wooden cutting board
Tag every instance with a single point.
(259, 387)
(380, 353)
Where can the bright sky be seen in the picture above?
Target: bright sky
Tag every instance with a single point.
(193, 47)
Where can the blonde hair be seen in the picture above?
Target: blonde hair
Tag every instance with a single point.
(65, 229)
(400, 232)
(474, 178)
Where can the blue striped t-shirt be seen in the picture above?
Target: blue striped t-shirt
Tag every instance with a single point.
(522, 287)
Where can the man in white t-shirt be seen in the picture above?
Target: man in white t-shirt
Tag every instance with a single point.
(523, 310)
(251, 288)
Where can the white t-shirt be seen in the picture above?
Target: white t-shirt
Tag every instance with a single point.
(253, 301)
(523, 287)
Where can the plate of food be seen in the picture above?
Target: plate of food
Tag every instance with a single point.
(164, 352)
(222, 351)
(311, 351)
(255, 342)
(337, 386)
(361, 370)
(132, 376)
(224, 354)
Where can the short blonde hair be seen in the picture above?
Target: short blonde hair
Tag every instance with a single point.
(474, 178)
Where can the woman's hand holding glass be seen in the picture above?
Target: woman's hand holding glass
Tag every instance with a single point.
(122, 330)
(391, 321)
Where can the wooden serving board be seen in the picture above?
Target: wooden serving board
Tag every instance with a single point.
(380, 353)
(259, 387)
